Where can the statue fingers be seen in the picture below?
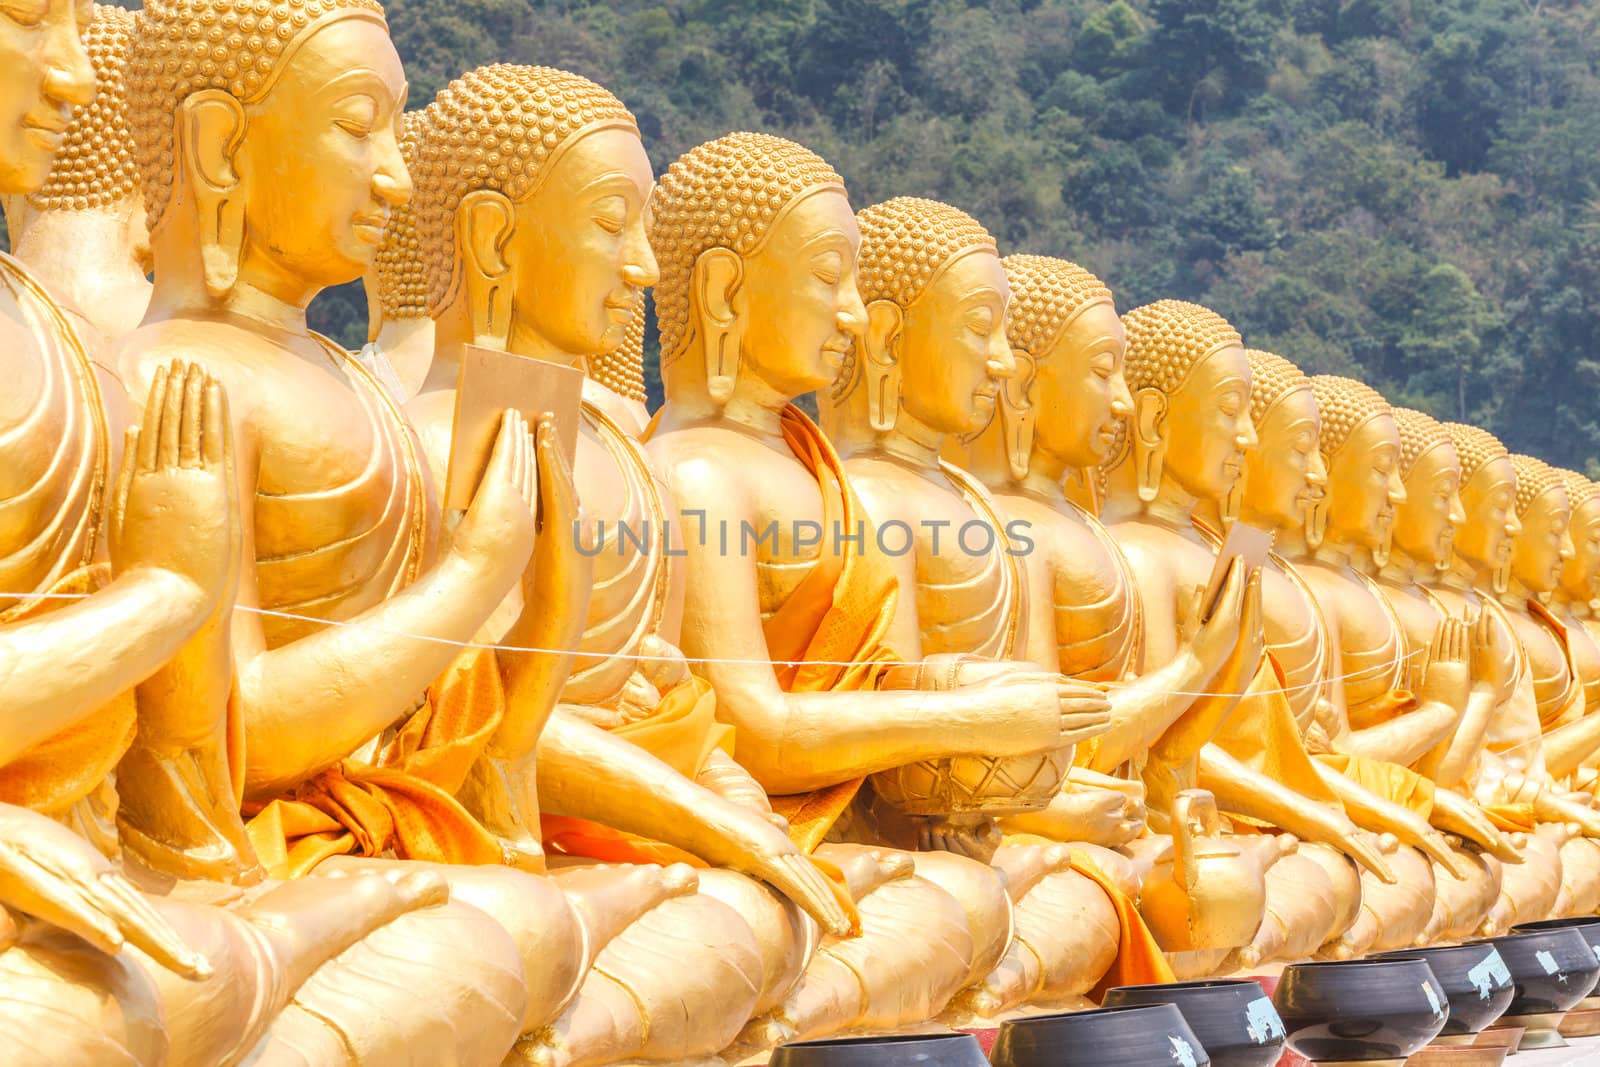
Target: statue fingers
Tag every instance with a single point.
(142, 927)
(797, 878)
(216, 444)
(119, 499)
(171, 426)
(150, 430)
(192, 420)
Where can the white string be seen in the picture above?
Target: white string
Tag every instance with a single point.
(293, 617)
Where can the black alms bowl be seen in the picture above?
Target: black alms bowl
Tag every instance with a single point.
(1144, 1035)
(1587, 925)
(1358, 1010)
(1233, 1019)
(916, 1050)
(1475, 979)
(1551, 969)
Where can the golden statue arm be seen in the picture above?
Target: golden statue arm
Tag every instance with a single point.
(1451, 760)
(120, 636)
(588, 773)
(1091, 807)
(555, 597)
(1240, 790)
(796, 742)
(1152, 705)
(310, 703)
(1455, 814)
(1372, 812)
(1568, 747)
(1405, 738)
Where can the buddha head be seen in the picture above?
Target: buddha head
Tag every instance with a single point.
(1190, 429)
(1068, 342)
(44, 74)
(1544, 547)
(1285, 476)
(1361, 448)
(757, 246)
(1425, 525)
(87, 219)
(934, 354)
(267, 134)
(1580, 578)
(531, 191)
(1489, 502)
(397, 281)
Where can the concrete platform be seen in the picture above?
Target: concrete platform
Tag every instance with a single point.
(1580, 1052)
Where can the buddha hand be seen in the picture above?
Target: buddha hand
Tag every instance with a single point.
(176, 505)
(54, 875)
(1494, 661)
(558, 572)
(498, 528)
(1215, 638)
(743, 840)
(1042, 712)
(1447, 675)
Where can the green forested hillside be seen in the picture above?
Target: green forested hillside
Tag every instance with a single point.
(1404, 190)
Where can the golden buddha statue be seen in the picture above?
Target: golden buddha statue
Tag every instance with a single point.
(82, 233)
(1187, 440)
(1574, 596)
(1083, 613)
(548, 261)
(757, 306)
(1342, 648)
(366, 721)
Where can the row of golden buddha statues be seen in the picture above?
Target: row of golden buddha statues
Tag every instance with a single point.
(297, 768)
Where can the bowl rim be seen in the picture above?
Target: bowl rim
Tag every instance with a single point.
(1199, 983)
(1090, 1013)
(883, 1039)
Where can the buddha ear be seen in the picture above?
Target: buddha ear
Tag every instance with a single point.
(210, 128)
(881, 367)
(1017, 414)
(484, 223)
(1149, 426)
(715, 282)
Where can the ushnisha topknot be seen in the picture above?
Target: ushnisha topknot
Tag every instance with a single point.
(1580, 490)
(402, 276)
(622, 369)
(1271, 378)
(499, 127)
(906, 241)
(1535, 478)
(1046, 294)
(725, 193)
(1420, 433)
(1474, 447)
(94, 167)
(186, 46)
(1344, 404)
(1167, 338)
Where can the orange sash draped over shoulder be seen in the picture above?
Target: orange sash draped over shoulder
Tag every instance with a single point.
(829, 635)
(403, 803)
(54, 775)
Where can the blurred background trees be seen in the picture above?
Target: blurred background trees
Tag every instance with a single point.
(1403, 190)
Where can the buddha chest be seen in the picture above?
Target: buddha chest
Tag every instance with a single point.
(53, 441)
(342, 505)
(622, 499)
(1296, 637)
(1372, 648)
(1547, 662)
(1094, 606)
(1585, 649)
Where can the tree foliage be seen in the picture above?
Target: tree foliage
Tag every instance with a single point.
(1403, 190)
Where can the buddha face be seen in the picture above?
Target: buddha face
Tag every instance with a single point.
(1080, 388)
(1580, 578)
(1489, 500)
(798, 298)
(319, 164)
(579, 254)
(1545, 544)
(44, 74)
(1286, 469)
(1426, 525)
(1364, 487)
(1207, 425)
(954, 353)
